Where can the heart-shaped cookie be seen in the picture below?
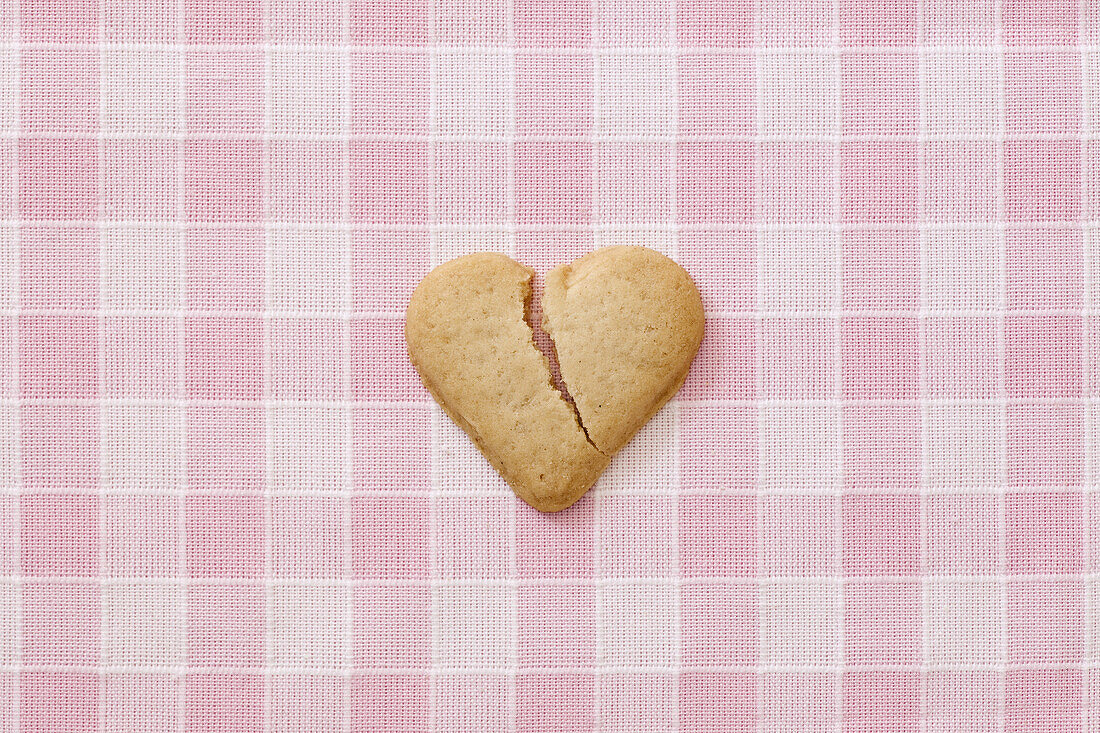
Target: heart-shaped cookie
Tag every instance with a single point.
(626, 323)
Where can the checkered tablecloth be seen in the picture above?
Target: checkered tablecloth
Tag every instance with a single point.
(227, 504)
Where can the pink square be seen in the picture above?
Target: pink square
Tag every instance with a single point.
(726, 366)
(390, 703)
(633, 540)
(963, 700)
(962, 22)
(221, 102)
(717, 93)
(1040, 22)
(799, 357)
(630, 701)
(385, 267)
(60, 91)
(796, 23)
(9, 329)
(875, 701)
(224, 702)
(142, 355)
(64, 21)
(879, 93)
(389, 22)
(555, 545)
(143, 536)
(60, 535)
(225, 448)
(640, 196)
(629, 24)
(59, 701)
(878, 182)
(59, 356)
(563, 24)
(878, 24)
(879, 357)
(1046, 621)
(718, 536)
(224, 357)
(308, 358)
(719, 447)
(960, 181)
(225, 269)
(61, 624)
(882, 623)
(882, 534)
(9, 535)
(1044, 533)
(222, 180)
(308, 180)
(553, 93)
(306, 701)
(1091, 173)
(58, 179)
(472, 182)
(141, 701)
(881, 270)
(963, 534)
(141, 179)
(60, 447)
(724, 267)
(962, 356)
(389, 537)
(1060, 693)
(1045, 445)
(307, 536)
(802, 701)
(552, 703)
(390, 92)
(9, 153)
(1042, 180)
(716, 182)
(1043, 356)
(59, 267)
(556, 625)
(225, 625)
(388, 448)
(711, 24)
(389, 182)
(225, 536)
(455, 520)
(718, 702)
(1042, 93)
(380, 368)
(1044, 268)
(797, 182)
(801, 537)
(141, 21)
(391, 627)
(226, 21)
(553, 182)
(726, 638)
(882, 446)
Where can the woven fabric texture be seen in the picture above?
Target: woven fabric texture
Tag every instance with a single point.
(227, 504)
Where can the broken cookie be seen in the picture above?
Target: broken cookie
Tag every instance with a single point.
(626, 323)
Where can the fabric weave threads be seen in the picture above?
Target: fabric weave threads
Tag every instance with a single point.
(226, 502)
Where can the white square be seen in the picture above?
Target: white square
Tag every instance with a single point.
(965, 622)
(475, 93)
(465, 702)
(141, 268)
(310, 22)
(9, 619)
(314, 703)
(9, 273)
(309, 626)
(800, 622)
(456, 243)
(9, 83)
(1092, 630)
(660, 240)
(966, 269)
(458, 465)
(1090, 88)
(799, 270)
(308, 536)
(639, 625)
(635, 94)
(800, 447)
(10, 463)
(633, 537)
(800, 94)
(309, 91)
(142, 447)
(141, 90)
(309, 270)
(474, 625)
(143, 624)
(965, 446)
(633, 702)
(1092, 273)
(962, 93)
(799, 701)
(648, 461)
(459, 519)
(1092, 438)
(310, 449)
(135, 702)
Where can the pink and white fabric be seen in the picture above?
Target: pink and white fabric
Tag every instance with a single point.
(227, 504)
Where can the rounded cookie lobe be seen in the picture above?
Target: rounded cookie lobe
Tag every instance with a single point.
(626, 323)
(470, 342)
